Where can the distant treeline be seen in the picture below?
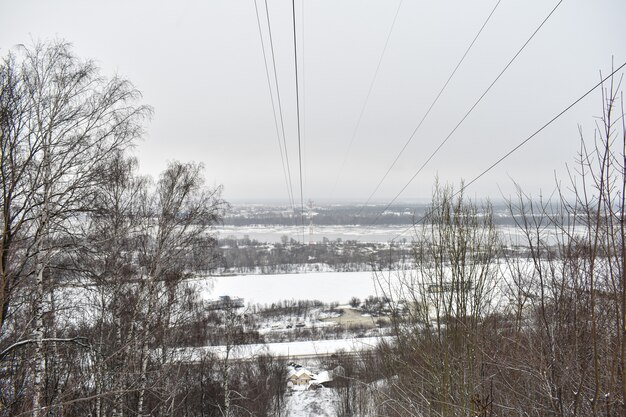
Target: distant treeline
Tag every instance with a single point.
(246, 255)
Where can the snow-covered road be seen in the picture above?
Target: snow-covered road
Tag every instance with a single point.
(295, 350)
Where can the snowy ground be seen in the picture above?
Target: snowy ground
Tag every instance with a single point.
(327, 287)
(319, 403)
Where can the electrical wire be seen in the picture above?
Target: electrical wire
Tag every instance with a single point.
(469, 111)
(295, 59)
(269, 84)
(303, 94)
(280, 107)
(432, 105)
(521, 144)
(367, 97)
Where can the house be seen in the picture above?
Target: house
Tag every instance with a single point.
(299, 377)
(225, 302)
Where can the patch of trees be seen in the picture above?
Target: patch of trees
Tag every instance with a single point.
(293, 308)
(95, 299)
(543, 335)
(355, 376)
(246, 255)
(253, 387)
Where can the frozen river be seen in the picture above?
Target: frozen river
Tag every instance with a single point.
(373, 234)
(274, 234)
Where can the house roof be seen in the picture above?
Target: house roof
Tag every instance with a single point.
(322, 377)
(299, 373)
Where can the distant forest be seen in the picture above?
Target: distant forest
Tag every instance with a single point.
(246, 256)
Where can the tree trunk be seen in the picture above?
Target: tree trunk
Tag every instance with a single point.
(38, 357)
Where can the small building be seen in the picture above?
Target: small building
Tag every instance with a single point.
(225, 302)
(300, 377)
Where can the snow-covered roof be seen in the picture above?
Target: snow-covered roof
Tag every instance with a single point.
(322, 377)
(298, 373)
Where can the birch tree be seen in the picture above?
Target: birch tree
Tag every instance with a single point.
(59, 120)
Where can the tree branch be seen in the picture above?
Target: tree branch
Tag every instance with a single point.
(77, 340)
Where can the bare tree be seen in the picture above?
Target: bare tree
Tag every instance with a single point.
(60, 118)
(177, 219)
(438, 358)
(565, 353)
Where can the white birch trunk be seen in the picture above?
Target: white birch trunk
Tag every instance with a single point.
(38, 358)
(38, 333)
(118, 410)
(143, 381)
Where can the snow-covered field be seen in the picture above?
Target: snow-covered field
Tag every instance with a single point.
(327, 287)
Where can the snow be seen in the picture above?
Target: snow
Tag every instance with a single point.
(371, 234)
(322, 377)
(266, 233)
(318, 403)
(327, 287)
(331, 314)
(309, 348)
(299, 372)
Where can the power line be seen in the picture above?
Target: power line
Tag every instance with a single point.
(469, 111)
(269, 85)
(367, 97)
(523, 142)
(419, 125)
(295, 59)
(303, 88)
(280, 107)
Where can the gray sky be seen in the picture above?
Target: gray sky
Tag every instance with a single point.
(200, 64)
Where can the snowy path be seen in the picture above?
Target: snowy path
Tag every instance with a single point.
(319, 403)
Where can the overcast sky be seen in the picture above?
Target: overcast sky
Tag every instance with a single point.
(200, 65)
